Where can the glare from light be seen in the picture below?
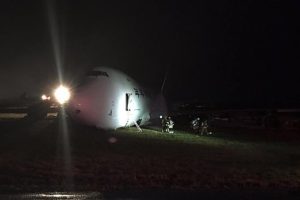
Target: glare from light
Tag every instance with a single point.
(62, 94)
(43, 97)
(58, 195)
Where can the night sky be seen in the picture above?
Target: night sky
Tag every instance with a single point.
(222, 52)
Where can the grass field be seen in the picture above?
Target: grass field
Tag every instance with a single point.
(33, 158)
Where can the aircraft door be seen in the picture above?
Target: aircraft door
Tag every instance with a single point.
(128, 102)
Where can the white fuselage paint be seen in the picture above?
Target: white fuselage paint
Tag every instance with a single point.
(109, 99)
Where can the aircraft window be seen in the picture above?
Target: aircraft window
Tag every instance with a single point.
(97, 73)
(136, 91)
(142, 93)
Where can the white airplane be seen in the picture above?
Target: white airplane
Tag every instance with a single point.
(108, 99)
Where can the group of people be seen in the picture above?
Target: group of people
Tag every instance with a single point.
(167, 125)
(198, 126)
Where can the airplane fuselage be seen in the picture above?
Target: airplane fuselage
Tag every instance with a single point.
(109, 99)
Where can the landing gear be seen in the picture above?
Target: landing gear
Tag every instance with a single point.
(138, 127)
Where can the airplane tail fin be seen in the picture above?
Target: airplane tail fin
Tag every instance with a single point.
(159, 107)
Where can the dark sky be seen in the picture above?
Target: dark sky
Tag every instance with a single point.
(219, 51)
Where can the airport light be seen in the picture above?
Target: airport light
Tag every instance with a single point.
(45, 97)
(62, 94)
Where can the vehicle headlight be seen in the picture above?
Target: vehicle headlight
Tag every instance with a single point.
(45, 97)
(62, 94)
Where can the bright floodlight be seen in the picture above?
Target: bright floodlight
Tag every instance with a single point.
(62, 94)
(44, 97)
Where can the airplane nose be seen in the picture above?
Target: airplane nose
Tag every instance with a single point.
(77, 111)
(74, 107)
(93, 105)
(81, 109)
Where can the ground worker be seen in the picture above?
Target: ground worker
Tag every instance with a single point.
(170, 125)
(204, 127)
(196, 125)
(164, 124)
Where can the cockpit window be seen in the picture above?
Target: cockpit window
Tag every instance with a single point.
(97, 73)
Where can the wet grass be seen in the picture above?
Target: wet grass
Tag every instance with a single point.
(32, 159)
